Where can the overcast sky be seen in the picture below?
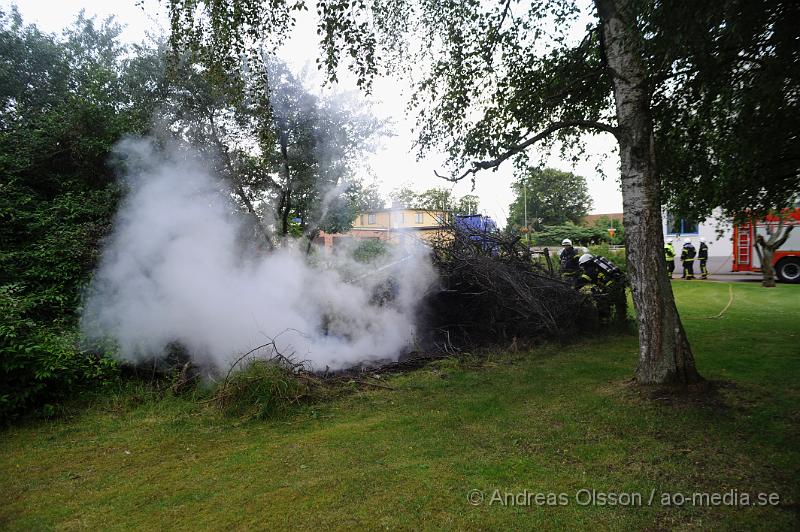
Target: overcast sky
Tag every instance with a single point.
(395, 164)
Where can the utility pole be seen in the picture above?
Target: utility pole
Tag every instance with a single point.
(525, 203)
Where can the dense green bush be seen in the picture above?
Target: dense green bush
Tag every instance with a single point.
(615, 256)
(49, 247)
(604, 223)
(57, 195)
(369, 249)
(580, 235)
(40, 365)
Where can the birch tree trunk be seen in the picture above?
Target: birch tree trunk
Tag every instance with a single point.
(664, 353)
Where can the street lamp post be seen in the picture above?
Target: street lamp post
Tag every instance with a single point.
(525, 203)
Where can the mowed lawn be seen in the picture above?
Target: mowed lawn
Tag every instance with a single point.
(555, 420)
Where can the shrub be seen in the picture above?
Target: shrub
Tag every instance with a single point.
(580, 236)
(263, 389)
(369, 250)
(49, 248)
(41, 365)
(58, 195)
(615, 256)
(603, 223)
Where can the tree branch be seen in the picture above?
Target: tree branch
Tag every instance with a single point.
(522, 146)
(777, 240)
(495, 32)
(238, 188)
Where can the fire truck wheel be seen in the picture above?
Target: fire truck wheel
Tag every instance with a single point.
(788, 270)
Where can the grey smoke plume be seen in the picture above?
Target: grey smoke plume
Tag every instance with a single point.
(173, 270)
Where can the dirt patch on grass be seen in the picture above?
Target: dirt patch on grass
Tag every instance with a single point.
(708, 393)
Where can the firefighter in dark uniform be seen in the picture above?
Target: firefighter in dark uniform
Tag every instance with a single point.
(600, 278)
(702, 256)
(568, 259)
(669, 256)
(688, 255)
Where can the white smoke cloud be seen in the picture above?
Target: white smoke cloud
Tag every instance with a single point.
(173, 271)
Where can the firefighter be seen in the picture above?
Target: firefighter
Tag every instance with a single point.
(588, 271)
(688, 255)
(600, 278)
(597, 271)
(702, 256)
(568, 259)
(669, 256)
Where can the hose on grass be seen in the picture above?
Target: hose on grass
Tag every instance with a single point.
(730, 302)
(722, 312)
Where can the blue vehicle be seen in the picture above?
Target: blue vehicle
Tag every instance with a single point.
(475, 223)
(478, 228)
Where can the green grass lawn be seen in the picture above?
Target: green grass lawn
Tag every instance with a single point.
(555, 420)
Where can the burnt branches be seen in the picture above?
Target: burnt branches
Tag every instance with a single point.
(494, 290)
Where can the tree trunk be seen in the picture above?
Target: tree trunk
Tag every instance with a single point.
(287, 205)
(311, 236)
(286, 210)
(665, 356)
(767, 269)
(765, 247)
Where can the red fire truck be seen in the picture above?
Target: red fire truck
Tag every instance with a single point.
(786, 259)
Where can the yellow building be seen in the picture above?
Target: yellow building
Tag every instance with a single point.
(397, 224)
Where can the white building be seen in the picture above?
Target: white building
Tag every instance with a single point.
(717, 231)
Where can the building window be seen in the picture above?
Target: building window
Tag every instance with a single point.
(362, 219)
(371, 219)
(681, 226)
(418, 218)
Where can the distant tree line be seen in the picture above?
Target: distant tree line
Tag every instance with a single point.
(436, 199)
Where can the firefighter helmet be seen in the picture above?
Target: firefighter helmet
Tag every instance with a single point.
(586, 257)
(669, 241)
(566, 242)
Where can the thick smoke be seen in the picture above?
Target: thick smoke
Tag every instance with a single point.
(173, 270)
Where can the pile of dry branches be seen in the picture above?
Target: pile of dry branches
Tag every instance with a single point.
(492, 291)
(495, 291)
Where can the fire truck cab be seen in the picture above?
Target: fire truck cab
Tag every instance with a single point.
(786, 259)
